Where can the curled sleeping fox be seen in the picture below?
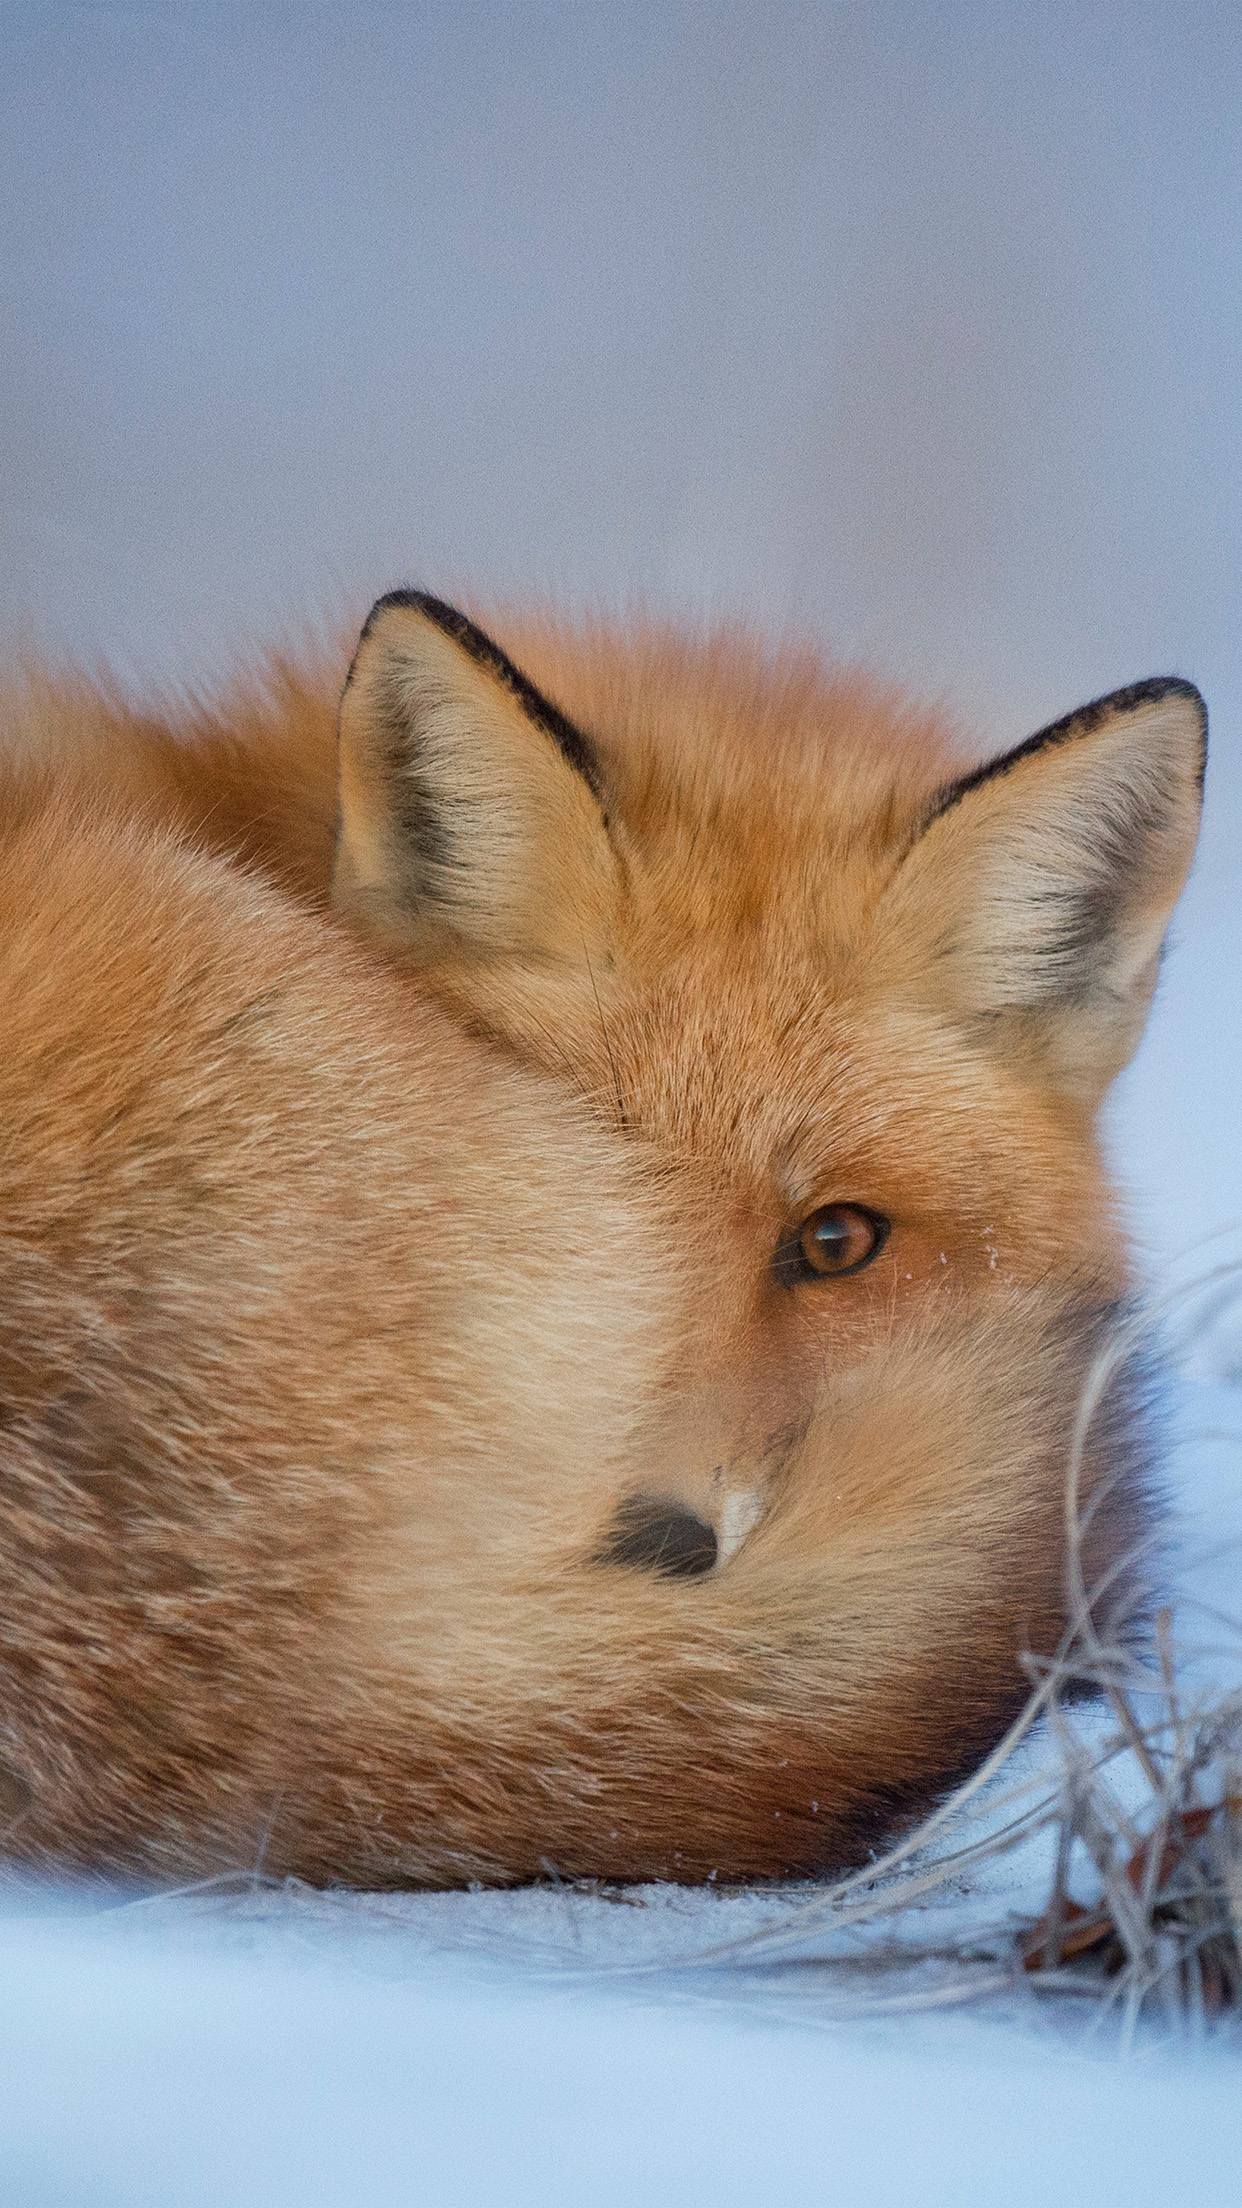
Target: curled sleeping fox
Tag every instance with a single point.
(549, 1245)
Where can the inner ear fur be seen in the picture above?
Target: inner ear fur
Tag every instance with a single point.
(470, 806)
(1037, 894)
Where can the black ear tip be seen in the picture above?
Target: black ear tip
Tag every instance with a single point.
(1177, 686)
(450, 620)
(414, 601)
(1114, 705)
(1153, 692)
(1155, 689)
(435, 610)
(487, 655)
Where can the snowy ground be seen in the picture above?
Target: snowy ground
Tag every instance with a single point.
(340, 2053)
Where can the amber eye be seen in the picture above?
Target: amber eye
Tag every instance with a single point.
(840, 1239)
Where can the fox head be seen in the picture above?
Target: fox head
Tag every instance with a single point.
(871, 1002)
(703, 819)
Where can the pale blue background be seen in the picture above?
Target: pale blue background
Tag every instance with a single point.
(918, 323)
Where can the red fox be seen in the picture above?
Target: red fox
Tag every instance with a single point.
(569, 1356)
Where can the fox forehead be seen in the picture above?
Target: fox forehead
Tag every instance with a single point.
(697, 727)
(749, 789)
(803, 1094)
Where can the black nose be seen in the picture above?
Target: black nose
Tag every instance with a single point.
(655, 1535)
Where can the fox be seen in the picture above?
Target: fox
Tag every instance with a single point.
(554, 1230)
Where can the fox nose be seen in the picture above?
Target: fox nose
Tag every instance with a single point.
(654, 1534)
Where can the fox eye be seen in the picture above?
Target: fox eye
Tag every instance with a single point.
(839, 1239)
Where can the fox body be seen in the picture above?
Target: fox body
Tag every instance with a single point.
(550, 1250)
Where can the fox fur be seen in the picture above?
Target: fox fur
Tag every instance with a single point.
(405, 1139)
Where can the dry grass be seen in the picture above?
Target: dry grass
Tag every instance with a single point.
(1165, 1920)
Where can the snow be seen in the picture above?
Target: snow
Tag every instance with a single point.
(145, 2068)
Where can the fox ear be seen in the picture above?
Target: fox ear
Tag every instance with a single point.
(1040, 886)
(470, 815)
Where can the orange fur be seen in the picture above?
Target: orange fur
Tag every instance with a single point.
(345, 1300)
